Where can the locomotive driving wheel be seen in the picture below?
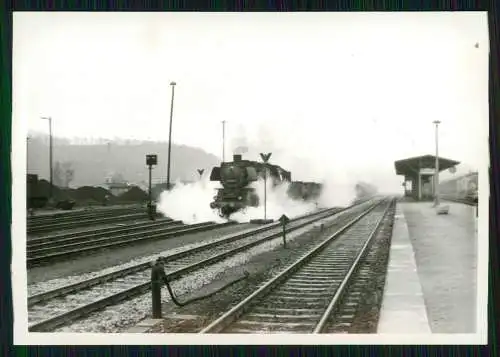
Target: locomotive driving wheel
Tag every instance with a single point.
(225, 212)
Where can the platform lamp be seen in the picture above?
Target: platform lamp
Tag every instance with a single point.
(436, 165)
(172, 84)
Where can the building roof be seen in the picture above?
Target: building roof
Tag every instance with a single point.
(414, 164)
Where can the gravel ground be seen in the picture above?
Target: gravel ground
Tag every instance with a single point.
(116, 256)
(260, 267)
(446, 256)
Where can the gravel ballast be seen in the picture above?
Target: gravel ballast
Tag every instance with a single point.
(261, 260)
(193, 317)
(125, 315)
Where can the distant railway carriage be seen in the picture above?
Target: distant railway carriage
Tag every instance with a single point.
(237, 176)
(35, 197)
(365, 190)
(304, 190)
(463, 187)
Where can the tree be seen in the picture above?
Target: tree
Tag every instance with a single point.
(58, 176)
(69, 173)
(63, 174)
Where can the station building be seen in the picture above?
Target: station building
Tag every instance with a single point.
(419, 175)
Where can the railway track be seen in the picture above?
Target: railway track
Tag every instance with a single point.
(118, 227)
(72, 216)
(302, 298)
(51, 309)
(82, 212)
(89, 219)
(47, 250)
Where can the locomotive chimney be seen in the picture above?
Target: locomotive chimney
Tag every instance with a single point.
(237, 157)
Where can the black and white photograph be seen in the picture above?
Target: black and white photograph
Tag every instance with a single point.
(250, 178)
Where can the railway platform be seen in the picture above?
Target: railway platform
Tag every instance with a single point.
(431, 277)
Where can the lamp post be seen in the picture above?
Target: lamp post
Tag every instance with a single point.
(436, 175)
(50, 154)
(223, 140)
(27, 153)
(172, 84)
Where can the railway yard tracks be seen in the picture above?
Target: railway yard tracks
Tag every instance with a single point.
(51, 223)
(307, 297)
(48, 310)
(64, 246)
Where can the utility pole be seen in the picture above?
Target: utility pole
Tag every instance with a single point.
(27, 152)
(223, 140)
(50, 156)
(172, 84)
(436, 175)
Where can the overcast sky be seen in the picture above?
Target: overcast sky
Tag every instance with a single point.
(355, 90)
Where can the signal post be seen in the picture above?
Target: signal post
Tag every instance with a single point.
(151, 160)
(265, 158)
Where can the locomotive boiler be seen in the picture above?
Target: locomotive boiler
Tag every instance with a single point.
(236, 179)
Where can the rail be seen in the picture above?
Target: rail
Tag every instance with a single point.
(179, 264)
(231, 316)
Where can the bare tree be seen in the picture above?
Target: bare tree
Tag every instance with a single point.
(63, 173)
(58, 176)
(69, 172)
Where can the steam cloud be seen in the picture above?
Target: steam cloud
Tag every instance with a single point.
(191, 202)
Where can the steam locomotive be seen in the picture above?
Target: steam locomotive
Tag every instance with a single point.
(237, 176)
